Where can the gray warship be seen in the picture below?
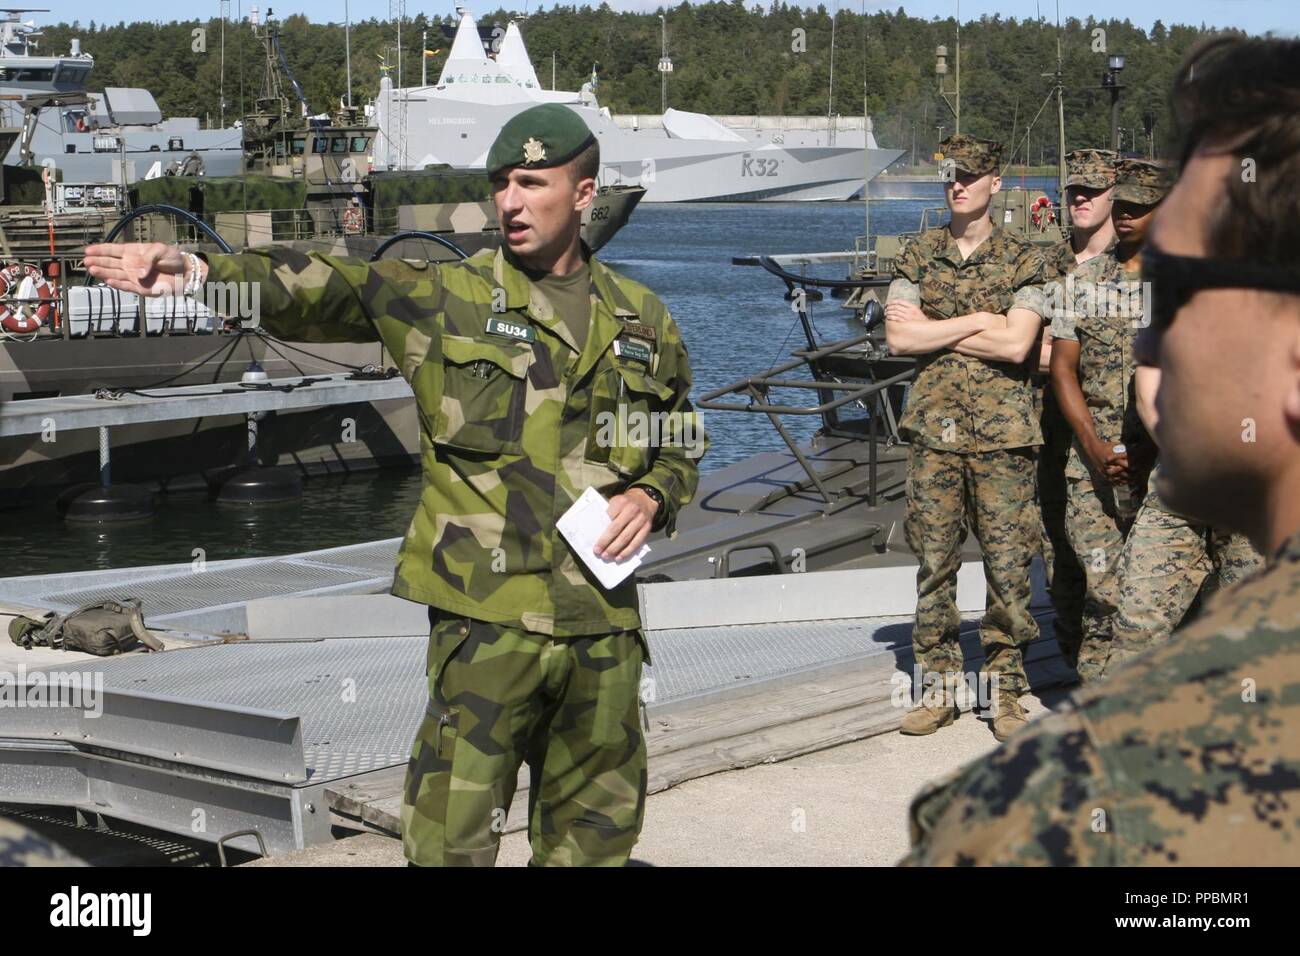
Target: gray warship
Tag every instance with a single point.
(118, 135)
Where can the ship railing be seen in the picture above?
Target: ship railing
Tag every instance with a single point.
(261, 227)
(844, 373)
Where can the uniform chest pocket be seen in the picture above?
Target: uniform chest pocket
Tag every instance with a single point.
(628, 418)
(481, 402)
(991, 295)
(938, 298)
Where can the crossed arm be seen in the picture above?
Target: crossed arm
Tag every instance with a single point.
(983, 335)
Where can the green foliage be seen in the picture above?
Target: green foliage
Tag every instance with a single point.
(727, 58)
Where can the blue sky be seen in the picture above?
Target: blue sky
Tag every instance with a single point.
(1254, 16)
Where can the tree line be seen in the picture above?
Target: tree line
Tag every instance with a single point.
(728, 58)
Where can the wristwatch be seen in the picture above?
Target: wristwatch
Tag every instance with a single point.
(661, 516)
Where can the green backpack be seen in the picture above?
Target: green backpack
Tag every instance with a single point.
(102, 628)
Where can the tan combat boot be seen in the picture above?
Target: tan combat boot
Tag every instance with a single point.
(926, 718)
(1008, 715)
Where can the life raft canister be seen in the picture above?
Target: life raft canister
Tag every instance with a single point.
(26, 298)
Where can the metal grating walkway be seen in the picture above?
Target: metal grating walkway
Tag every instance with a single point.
(361, 699)
(212, 599)
(692, 661)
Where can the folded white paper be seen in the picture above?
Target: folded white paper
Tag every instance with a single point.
(582, 525)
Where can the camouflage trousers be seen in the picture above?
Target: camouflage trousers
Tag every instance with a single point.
(1168, 562)
(1097, 531)
(992, 493)
(1066, 582)
(499, 696)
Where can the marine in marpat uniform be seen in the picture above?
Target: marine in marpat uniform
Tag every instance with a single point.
(538, 373)
(1169, 560)
(1169, 563)
(1191, 753)
(967, 301)
(1095, 321)
(1090, 179)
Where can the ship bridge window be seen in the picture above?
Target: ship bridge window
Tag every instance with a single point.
(27, 76)
(320, 144)
(339, 144)
(359, 144)
(299, 145)
(175, 142)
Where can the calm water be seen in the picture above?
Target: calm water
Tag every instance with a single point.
(734, 319)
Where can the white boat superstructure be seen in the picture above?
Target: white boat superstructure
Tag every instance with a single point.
(678, 157)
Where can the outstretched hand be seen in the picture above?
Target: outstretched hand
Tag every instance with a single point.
(145, 268)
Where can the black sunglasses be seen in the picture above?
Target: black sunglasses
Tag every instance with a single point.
(1173, 280)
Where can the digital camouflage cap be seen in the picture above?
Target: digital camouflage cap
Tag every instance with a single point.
(971, 154)
(538, 138)
(1094, 168)
(1142, 181)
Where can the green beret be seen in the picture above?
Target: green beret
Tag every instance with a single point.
(538, 138)
(971, 154)
(1142, 181)
(1094, 168)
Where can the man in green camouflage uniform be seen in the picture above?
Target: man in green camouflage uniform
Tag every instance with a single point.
(1095, 321)
(531, 386)
(1091, 177)
(967, 301)
(1189, 755)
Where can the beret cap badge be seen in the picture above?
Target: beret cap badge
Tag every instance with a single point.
(534, 150)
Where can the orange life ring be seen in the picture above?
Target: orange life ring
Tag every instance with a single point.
(1038, 214)
(26, 298)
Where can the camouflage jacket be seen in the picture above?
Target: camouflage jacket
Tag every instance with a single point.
(1189, 755)
(515, 423)
(1092, 306)
(957, 402)
(1058, 261)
